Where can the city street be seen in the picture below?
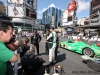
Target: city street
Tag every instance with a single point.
(70, 19)
(70, 61)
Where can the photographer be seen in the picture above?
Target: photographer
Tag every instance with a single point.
(12, 45)
(5, 53)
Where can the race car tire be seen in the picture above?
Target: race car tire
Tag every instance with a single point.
(88, 51)
(94, 64)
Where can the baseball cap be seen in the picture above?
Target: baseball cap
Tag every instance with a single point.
(52, 27)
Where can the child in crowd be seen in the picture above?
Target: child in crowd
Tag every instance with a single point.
(25, 47)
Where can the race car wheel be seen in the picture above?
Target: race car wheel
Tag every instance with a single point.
(88, 51)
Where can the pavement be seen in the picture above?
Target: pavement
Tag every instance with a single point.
(71, 62)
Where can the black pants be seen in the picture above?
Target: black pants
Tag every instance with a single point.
(9, 69)
(37, 47)
(56, 49)
(47, 47)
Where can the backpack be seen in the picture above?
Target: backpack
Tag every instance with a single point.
(31, 63)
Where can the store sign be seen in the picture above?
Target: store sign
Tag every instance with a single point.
(71, 6)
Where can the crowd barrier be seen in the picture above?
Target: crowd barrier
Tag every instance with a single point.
(93, 38)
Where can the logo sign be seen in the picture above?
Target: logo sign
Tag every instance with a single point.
(71, 6)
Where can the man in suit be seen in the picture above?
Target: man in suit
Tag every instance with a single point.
(35, 39)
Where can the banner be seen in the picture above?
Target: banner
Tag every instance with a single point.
(15, 11)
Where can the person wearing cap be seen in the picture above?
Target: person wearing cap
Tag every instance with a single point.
(35, 39)
(51, 39)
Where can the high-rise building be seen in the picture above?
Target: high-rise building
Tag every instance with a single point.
(52, 16)
(38, 21)
(2, 8)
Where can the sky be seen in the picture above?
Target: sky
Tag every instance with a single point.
(42, 5)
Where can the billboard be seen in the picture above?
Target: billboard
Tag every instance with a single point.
(71, 6)
(95, 3)
(15, 11)
(31, 14)
(32, 4)
(15, 1)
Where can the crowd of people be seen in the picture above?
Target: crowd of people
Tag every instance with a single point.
(30, 62)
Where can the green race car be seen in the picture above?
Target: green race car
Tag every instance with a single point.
(81, 47)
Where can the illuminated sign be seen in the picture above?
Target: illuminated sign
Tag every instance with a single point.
(71, 6)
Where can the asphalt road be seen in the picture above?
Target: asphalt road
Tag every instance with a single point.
(70, 61)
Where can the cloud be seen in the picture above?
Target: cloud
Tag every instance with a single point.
(44, 9)
(83, 5)
(52, 5)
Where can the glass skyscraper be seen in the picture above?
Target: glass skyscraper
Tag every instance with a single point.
(38, 21)
(52, 16)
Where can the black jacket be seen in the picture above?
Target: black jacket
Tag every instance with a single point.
(35, 38)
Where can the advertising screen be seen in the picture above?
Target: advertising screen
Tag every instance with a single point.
(69, 29)
(31, 14)
(15, 1)
(15, 11)
(71, 6)
(32, 4)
